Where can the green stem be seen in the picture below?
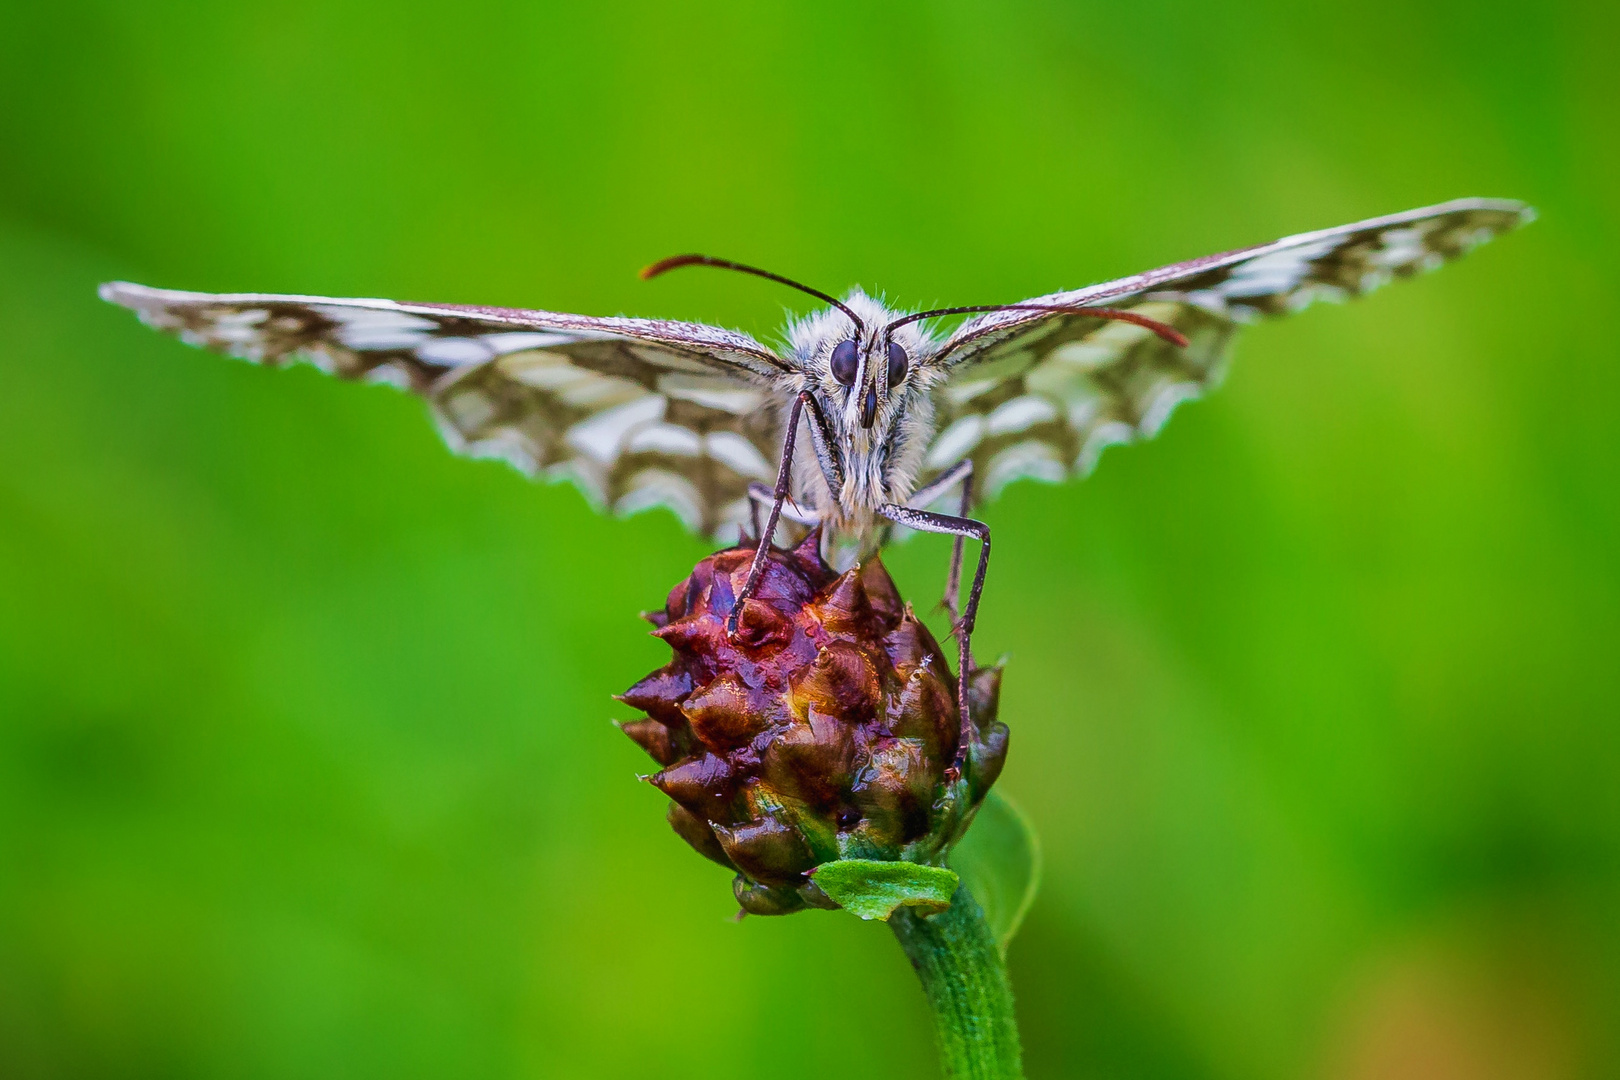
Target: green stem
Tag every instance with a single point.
(959, 962)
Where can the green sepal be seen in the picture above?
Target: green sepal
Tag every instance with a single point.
(1000, 862)
(873, 889)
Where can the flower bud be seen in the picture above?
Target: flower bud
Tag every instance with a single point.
(824, 728)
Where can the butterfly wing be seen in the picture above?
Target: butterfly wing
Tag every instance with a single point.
(637, 412)
(1042, 394)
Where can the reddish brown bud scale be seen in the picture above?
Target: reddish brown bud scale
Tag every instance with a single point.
(822, 730)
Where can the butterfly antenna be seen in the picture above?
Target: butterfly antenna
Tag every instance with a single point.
(1164, 330)
(674, 262)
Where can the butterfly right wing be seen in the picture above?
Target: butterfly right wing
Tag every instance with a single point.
(1041, 394)
(636, 412)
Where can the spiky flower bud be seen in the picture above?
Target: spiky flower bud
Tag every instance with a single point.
(826, 728)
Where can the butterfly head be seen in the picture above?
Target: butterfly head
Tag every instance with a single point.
(860, 372)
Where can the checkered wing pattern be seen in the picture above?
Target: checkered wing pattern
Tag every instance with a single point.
(1041, 394)
(636, 412)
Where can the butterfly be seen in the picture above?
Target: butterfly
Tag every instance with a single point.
(862, 420)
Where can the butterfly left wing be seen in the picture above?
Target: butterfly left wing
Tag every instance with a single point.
(1041, 394)
(636, 412)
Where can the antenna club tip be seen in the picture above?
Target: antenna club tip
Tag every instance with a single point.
(647, 273)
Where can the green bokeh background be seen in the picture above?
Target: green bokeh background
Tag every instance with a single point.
(305, 767)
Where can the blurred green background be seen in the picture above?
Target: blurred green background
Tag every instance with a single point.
(305, 767)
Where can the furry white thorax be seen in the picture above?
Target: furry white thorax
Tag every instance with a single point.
(880, 463)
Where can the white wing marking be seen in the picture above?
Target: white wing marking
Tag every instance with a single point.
(660, 487)
(602, 436)
(454, 352)
(956, 442)
(1019, 414)
(721, 394)
(670, 439)
(1030, 459)
(738, 454)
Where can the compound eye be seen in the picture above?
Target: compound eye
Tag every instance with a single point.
(845, 362)
(897, 364)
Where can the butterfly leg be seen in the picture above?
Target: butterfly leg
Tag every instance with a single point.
(753, 514)
(960, 473)
(784, 475)
(961, 528)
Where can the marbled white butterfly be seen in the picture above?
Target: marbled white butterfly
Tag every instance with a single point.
(705, 421)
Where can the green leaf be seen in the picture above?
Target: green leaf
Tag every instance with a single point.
(1000, 863)
(873, 889)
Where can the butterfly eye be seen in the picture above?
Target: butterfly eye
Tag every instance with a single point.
(897, 364)
(845, 362)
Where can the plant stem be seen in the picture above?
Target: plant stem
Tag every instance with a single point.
(959, 962)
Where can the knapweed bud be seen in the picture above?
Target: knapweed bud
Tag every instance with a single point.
(825, 728)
